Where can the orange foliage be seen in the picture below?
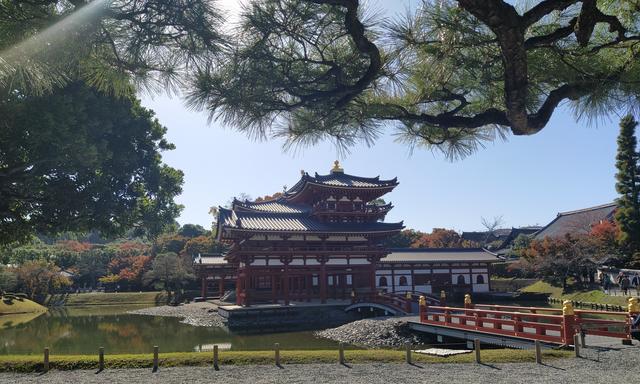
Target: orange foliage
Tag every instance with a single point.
(74, 246)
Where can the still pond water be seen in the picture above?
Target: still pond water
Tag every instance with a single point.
(83, 330)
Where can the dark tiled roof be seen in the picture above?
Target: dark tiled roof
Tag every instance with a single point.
(274, 206)
(295, 222)
(439, 255)
(577, 222)
(339, 179)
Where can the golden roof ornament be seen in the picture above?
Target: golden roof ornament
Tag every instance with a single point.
(336, 167)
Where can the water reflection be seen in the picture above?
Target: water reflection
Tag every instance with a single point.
(83, 330)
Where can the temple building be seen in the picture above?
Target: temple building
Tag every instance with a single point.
(432, 270)
(321, 240)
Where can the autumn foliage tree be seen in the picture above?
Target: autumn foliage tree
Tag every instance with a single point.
(40, 277)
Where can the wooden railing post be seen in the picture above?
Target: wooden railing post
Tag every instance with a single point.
(443, 298)
(538, 352)
(341, 353)
(633, 308)
(408, 348)
(476, 347)
(155, 358)
(568, 322)
(576, 344)
(100, 359)
(215, 358)
(45, 366)
(276, 348)
(422, 308)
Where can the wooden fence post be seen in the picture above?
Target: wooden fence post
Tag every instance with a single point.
(276, 347)
(476, 346)
(215, 357)
(538, 352)
(100, 359)
(46, 360)
(576, 344)
(408, 348)
(341, 353)
(155, 358)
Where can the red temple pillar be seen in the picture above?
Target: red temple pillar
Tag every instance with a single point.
(203, 287)
(274, 291)
(221, 285)
(286, 284)
(247, 285)
(239, 288)
(323, 283)
(372, 279)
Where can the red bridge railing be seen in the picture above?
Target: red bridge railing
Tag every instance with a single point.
(552, 325)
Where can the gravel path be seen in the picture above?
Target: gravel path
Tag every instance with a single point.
(201, 314)
(596, 367)
(372, 333)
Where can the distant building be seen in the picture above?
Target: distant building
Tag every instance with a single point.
(430, 270)
(578, 222)
(499, 241)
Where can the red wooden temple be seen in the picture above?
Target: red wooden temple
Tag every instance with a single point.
(321, 240)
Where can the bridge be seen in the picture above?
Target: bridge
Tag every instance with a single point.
(520, 327)
(392, 303)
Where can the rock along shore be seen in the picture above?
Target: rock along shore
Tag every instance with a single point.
(196, 314)
(374, 333)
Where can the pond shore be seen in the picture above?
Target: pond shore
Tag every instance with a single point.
(202, 314)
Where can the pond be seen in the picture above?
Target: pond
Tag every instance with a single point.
(83, 330)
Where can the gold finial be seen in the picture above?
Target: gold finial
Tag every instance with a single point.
(408, 295)
(422, 301)
(567, 308)
(467, 299)
(336, 167)
(443, 294)
(633, 305)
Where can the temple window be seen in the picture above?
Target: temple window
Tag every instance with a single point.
(479, 279)
(382, 282)
(461, 280)
(402, 281)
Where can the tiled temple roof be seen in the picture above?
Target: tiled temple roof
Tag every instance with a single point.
(294, 222)
(274, 206)
(439, 255)
(577, 222)
(339, 179)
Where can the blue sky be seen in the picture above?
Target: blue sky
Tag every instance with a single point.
(527, 180)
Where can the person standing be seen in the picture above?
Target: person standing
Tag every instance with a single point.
(624, 284)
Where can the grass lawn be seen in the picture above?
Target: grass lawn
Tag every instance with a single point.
(19, 305)
(596, 296)
(32, 363)
(110, 298)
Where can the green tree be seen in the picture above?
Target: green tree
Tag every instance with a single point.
(627, 214)
(8, 279)
(170, 271)
(77, 160)
(111, 45)
(451, 75)
(192, 230)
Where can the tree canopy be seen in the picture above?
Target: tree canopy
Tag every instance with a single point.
(451, 75)
(111, 45)
(628, 186)
(77, 159)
